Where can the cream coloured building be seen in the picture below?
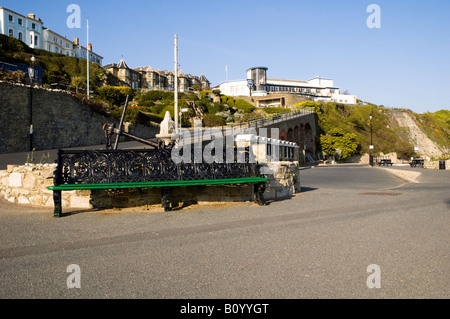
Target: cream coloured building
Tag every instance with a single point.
(30, 30)
(258, 84)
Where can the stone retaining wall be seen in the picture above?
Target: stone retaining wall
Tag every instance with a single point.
(60, 120)
(435, 164)
(28, 184)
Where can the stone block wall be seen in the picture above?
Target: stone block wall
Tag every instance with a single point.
(284, 180)
(28, 184)
(60, 120)
(435, 164)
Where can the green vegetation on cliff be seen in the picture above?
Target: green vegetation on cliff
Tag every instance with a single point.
(58, 68)
(347, 128)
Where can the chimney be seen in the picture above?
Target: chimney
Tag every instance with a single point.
(32, 16)
(90, 47)
(76, 41)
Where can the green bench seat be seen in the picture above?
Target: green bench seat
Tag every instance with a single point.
(258, 182)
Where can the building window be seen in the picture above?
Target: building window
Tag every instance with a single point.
(33, 26)
(36, 40)
(269, 149)
(11, 18)
(49, 47)
(11, 32)
(20, 21)
(20, 36)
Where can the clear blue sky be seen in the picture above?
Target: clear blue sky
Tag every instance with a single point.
(405, 63)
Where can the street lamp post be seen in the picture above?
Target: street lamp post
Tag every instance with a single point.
(371, 143)
(31, 76)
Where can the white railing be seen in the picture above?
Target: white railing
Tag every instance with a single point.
(253, 124)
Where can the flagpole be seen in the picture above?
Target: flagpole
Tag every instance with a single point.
(226, 73)
(176, 84)
(87, 56)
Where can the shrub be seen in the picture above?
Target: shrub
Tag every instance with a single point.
(115, 95)
(276, 110)
(211, 120)
(243, 106)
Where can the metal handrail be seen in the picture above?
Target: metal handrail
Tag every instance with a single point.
(260, 122)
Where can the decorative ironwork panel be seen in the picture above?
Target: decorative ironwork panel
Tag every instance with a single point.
(121, 166)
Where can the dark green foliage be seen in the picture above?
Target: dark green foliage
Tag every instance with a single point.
(337, 121)
(244, 106)
(276, 110)
(137, 115)
(58, 68)
(211, 120)
(115, 95)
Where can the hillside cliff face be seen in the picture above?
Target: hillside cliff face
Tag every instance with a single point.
(390, 130)
(416, 135)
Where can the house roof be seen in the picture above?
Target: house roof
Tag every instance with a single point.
(110, 65)
(122, 64)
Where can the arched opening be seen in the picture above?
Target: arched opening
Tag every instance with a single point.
(290, 135)
(296, 135)
(309, 139)
(301, 143)
(283, 135)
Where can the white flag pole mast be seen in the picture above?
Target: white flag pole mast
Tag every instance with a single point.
(226, 73)
(176, 84)
(87, 56)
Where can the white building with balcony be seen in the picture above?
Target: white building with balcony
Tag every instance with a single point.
(31, 31)
(257, 84)
(27, 29)
(55, 43)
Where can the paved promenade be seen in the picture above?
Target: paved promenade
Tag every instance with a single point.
(318, 244)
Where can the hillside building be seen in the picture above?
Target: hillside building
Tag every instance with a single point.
(31, 31)
(146, 77)
(125, 73)
(258, 84)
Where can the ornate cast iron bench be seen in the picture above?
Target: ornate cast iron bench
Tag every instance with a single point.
(149, 168)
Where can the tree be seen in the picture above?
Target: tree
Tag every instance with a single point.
(337, 141)
(78, 82)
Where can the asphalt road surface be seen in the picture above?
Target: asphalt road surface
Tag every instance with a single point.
(354, 232)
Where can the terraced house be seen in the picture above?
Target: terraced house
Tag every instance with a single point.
(31, 31)
(147, 77)
(124, 73)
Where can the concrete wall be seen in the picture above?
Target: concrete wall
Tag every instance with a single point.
(59, 120)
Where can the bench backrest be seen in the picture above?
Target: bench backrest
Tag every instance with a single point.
(123, 166)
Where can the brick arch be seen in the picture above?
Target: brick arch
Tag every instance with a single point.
(301, 138)
(283, 135)
(290, 135)
(296, 135)
(309, 138)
